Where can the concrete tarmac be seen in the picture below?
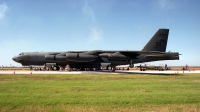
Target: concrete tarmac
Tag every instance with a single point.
(103, 72)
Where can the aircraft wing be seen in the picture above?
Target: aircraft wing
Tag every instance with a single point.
(134, 54)
(149, 54)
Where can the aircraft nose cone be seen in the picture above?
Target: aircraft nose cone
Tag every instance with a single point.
(15, 59)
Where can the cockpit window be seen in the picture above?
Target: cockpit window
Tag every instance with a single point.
(21, 54)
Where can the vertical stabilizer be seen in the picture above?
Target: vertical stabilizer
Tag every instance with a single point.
(158, 42)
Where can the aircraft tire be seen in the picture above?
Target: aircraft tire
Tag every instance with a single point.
(57, 68)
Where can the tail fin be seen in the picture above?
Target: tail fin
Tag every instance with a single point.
(158, 42)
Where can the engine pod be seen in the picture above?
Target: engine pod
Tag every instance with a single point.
(55, 58)
(80, 57)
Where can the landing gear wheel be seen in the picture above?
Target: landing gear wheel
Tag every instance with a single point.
(57, 68)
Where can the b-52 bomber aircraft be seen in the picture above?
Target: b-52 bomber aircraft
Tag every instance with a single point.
(154, 50)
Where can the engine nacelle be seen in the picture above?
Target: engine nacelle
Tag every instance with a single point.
(55, 58)
(80, 57)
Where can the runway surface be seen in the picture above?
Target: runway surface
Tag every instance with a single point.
(101, 72)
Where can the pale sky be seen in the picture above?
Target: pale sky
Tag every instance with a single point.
(70, 25)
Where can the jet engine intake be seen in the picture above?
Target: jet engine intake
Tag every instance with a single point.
(80, 57)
